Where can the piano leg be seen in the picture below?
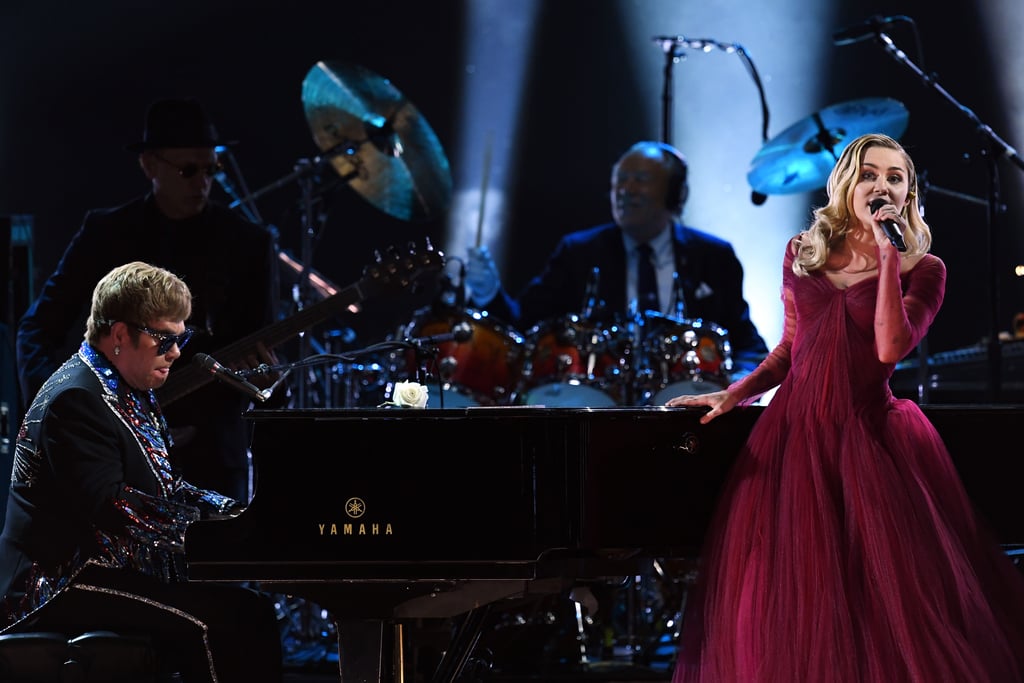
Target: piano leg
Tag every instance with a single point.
(366, 652)
(374, 651)
(464, 641)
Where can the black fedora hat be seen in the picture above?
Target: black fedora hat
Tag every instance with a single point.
(180, 122)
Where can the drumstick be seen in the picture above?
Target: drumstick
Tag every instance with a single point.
(483, 191)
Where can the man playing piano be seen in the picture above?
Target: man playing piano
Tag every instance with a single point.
(96, 518)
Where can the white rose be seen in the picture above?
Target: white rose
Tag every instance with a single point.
(410, 394)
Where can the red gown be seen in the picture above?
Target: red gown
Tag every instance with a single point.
(845, 548)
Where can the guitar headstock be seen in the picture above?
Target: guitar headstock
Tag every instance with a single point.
(400, 269)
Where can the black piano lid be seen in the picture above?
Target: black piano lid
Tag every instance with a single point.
(410, 504)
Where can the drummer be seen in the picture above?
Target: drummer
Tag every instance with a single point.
(648, 191)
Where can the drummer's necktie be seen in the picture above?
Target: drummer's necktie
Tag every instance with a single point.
(646, 279)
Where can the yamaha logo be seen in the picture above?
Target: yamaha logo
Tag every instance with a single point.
(355, 509)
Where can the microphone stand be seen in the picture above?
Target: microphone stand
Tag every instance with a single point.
(306, 178)
(245, 204)
(306, 173)
(668, 45)
(997, 147)
(671, 57)
(426, 354)
(924, 189)
(304, 167)
(423, 349)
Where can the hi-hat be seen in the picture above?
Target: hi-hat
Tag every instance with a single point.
(801, 157)
(377, 141)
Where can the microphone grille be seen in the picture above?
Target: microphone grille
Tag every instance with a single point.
(204, 361)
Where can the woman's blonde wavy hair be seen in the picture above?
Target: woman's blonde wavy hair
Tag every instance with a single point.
(831, 222)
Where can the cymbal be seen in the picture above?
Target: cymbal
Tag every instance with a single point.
(801, 157)
(377, 140)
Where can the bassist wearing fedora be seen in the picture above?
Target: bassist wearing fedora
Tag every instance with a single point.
(229, 263)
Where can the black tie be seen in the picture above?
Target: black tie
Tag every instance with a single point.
(646, 280)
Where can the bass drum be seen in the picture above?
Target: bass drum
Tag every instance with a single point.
(481, 370)
(571, 362)
(680, 356)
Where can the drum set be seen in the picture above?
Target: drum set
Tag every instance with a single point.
(377, 142)
(566, 361)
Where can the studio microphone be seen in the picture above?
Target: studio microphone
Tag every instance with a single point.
(460, 332)
(229, 377)
(892, 231)
(869, 28)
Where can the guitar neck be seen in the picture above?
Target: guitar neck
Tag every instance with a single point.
(192, 377)
(399, 270)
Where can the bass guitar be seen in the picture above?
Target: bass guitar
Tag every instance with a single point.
(393, 270)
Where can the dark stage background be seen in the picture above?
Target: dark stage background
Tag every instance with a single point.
(75, 80)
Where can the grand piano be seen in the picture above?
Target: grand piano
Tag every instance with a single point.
(385, 517)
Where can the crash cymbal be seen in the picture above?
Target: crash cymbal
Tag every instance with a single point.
(377, 140)
(801, 157)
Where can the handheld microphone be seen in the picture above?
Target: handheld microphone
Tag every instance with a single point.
(229, 377)
(869, 28)
(889, 227)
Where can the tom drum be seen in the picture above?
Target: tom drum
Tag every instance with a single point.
(681, 356)
(483, 369)
(571, 362)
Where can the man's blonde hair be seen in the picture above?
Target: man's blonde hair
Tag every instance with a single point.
(136, 293)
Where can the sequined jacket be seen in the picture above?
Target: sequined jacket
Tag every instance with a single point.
(91, 483)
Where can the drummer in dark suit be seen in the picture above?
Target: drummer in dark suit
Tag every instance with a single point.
(698, 275)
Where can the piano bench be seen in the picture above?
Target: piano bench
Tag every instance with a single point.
(50, 657)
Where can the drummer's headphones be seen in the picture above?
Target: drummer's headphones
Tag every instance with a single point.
(678, 190)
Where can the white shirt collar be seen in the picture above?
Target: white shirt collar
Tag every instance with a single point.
(661, 244)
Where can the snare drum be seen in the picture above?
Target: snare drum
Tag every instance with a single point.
(571, 362)
(679, 356)
(482, 370)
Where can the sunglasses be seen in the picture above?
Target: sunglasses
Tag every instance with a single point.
(190, 169)
(166, 340)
